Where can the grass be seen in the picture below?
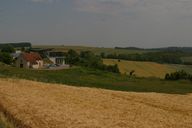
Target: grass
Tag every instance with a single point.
(86, 77)
(147, 69)
(75, 76)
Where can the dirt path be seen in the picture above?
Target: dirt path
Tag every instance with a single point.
(40, 105)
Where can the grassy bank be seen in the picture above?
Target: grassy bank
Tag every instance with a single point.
(98, 79)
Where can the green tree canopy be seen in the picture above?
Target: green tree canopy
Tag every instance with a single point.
(8, 49)
(5, 58)
(72, 57)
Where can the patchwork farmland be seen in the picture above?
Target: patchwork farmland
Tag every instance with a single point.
(65, 100)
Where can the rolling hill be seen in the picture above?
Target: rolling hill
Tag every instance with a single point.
(146, 69)
(96, 50)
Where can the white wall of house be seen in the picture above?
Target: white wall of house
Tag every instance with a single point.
(18, 51)
(38, 65)
(52, 59)
(57, 60)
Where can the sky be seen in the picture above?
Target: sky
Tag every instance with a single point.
(101, 23)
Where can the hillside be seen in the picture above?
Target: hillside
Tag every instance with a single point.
(147, 69)
(96, 50)
(39, 105)
(170, 55)
(170, 49)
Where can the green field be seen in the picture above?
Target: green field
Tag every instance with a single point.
(86, 77)
(147, 69)
(96, 50)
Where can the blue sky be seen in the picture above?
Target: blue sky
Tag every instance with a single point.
(102, 23)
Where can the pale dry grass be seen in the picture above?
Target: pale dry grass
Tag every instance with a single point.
(40, 105)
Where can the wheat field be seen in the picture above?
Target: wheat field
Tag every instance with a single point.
(40, 105)
(142, 69)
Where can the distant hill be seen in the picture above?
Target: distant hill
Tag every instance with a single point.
(17, 45)
(173, 49)
(168, 49)
(130, 48)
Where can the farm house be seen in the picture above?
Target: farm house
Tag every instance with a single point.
(29, 60)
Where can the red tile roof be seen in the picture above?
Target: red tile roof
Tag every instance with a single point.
(32, 57)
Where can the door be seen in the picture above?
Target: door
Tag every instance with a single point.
(21, 65)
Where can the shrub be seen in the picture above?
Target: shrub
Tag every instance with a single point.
(72, 57)
(178, 75)
(5, 58)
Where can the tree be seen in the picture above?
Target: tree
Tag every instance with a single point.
(112, 68)
(178, 75)
(72, 57)
(88, 59)
(8, 49)
(102, 55)
(5, 58)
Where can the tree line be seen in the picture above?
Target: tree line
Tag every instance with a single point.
(16, 45)
(89, 59)
(159, 57)
(178, 75)
(163, 49)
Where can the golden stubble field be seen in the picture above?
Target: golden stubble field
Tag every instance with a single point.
(142, 69)
(40, 105)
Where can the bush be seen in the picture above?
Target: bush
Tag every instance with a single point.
(72, 57)
(5, 58)
(178, 75)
